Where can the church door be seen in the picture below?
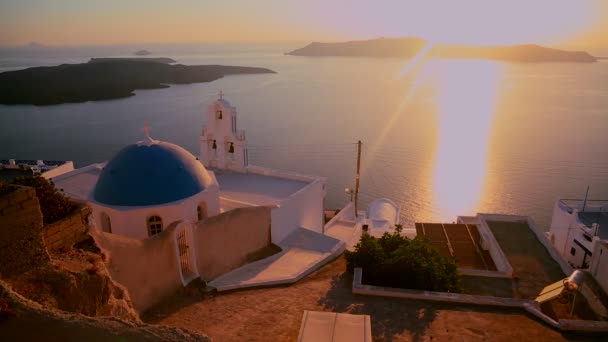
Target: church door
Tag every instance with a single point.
(186, 257)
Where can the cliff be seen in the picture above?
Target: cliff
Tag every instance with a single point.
(103, 81)
(24, 320)
(65, 278)
(409, 47)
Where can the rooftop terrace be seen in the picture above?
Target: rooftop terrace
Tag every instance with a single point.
(79, 184)
(256, 189)
(533, 266)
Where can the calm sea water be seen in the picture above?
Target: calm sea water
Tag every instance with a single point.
(441, 137)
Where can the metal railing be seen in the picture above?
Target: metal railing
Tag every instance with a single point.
(581, 205)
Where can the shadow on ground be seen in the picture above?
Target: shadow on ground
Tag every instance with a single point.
(390, 316)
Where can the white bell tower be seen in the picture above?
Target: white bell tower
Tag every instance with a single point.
(222, 145)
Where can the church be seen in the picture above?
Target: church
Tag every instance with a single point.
(152, 184)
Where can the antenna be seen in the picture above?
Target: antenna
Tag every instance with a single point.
(358, 176)
(585, 201)
(147, 129)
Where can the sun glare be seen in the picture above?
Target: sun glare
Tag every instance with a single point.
(466, 101)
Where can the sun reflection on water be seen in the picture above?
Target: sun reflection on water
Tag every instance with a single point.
(466, 100)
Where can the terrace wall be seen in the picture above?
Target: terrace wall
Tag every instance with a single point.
(21, 232)
(68, 231)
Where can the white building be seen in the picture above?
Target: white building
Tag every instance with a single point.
(12, 168)
(576, 227)
(221, 144)
(151, 184)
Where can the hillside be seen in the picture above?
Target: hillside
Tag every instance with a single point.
(410, 46)
(104, 80)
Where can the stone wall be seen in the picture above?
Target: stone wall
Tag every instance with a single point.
(225, 241)
(68, 231)
(21, 232)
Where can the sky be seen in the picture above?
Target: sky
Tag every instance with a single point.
(574, 23)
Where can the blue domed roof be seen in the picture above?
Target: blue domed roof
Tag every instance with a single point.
(150, 173)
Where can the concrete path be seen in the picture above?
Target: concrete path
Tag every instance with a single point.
(319, 326)
(303, 252)
(346, 231)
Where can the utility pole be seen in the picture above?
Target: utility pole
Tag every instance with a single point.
(357, 177)
(585, 202)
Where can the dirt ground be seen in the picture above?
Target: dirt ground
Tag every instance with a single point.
(274, 314)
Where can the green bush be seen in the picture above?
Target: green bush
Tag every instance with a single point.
(53, 204)
(5, 188)
(397, 261)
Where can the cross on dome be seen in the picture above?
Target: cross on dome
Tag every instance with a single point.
(147, 129)
(221, 95)
(147, 139)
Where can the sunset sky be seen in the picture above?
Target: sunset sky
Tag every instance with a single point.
(575, 23)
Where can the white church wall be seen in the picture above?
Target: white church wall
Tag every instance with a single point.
(148, 268)
(59, 170)
(599, 264)
(226, 241)
(304, 209)
(561, 224)
(133, 221)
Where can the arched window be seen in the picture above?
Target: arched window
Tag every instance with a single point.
(155, 225)
(201, 211)
(106, 224)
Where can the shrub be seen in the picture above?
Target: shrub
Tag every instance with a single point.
(397, 261)
(5, 188)
(53, 204)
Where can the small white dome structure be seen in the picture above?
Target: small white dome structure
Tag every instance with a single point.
(149, 185)
(382, 214)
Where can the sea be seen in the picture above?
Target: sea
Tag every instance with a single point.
(440, 137)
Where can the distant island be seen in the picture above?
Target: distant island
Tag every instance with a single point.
(410, 46)
(111, 79)
(164, 60)
(142, 53)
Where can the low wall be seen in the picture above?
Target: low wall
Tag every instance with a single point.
(346, 214)
(147, 268)
(529, 305)
(359, 288)
(68, 231)
(542, 238)
(21, 239)
(223, 242)
(498, 256)
(303, 209)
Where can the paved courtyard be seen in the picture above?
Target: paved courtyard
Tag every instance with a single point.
(274, 314)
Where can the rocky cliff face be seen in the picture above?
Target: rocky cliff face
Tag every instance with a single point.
(78, 282)
(70, 279)
(24, 320)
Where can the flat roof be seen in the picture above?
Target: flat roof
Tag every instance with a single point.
(78, 184)
(255, 188)
(250, 188)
